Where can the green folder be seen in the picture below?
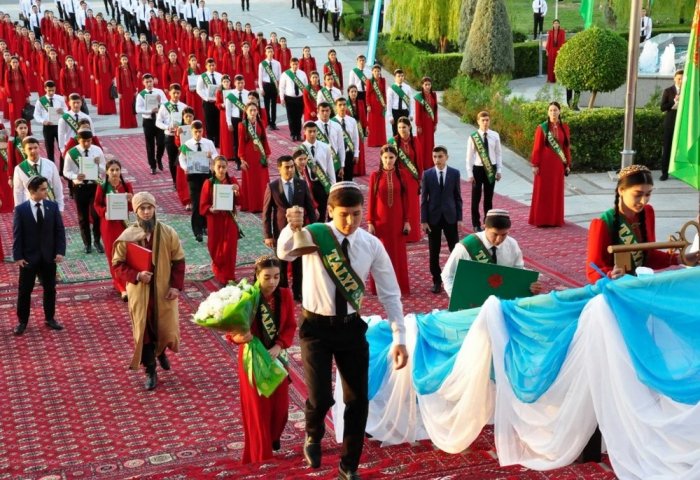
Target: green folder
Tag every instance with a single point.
(475, 282)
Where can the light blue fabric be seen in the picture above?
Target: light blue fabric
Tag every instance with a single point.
(379, 338)
(540, 330)
(659, 318)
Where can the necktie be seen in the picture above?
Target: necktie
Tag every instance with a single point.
(313, 152)
(213, 80)
(325, 127)
(85, 152)
(175, 107)
(76, 118)
(341, 305)
(199, 147)
(290, 192)
(296, 88)
(36, 168)
(342, 124)
(486, 144)
(50, 101)
(39, 216)
(442, 180)
(493, 255)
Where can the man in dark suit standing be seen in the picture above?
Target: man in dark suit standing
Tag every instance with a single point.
(39, 243)
(281, 194)
(669, 105)
(440, 209)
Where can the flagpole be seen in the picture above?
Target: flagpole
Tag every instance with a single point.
(631, 94)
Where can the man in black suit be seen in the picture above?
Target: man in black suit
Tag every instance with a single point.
(669, 105)
(440, 209)
(281, 194)
(39, 243)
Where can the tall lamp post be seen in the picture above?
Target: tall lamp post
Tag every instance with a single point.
(631, 94)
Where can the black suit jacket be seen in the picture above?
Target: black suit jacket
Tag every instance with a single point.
(32, 245)
(436, 202)
(667, 100)
(275, 206)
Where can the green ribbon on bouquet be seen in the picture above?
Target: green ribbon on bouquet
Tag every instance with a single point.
(237, 317)
(263, 372)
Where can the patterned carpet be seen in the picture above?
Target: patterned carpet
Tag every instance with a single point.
(73, 410)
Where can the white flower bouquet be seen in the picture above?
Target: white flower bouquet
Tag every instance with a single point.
(230, 309)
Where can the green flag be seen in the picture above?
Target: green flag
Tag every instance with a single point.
(685, 152)
(586, 12)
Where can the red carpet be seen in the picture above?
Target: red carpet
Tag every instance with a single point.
(73, 410)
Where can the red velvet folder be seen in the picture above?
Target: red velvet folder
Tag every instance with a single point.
(139, 258)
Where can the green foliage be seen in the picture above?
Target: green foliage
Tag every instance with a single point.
(655, 98)
(465, 22)
(519, 37)
(441, 67)
(354, 27)
(435, 21)
(489, 48)
(663, 12)
(594, 60)
(526, 56)
(665, 29)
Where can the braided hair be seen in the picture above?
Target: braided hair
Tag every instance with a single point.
(630, 177)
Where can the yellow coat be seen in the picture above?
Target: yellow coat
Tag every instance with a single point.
(166, 249)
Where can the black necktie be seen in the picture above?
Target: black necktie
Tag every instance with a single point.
(400, 102)
(296, 89)
(85, 152)
(50, 101)
(290, 192)
(213, 80)
(325, 127)
(39, 216)
(175, 107)
(442, 180)
(493, 255)
(342, 124)
(36, 168)
(76, 118)
(199, 147)
(486, 144)
(313, 152)
(240, 99)
(341, 304)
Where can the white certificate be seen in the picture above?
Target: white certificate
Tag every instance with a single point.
(53, 115)
(152, 101)
(89, 168)
(197, 162)
(185, 133)
(175, 118)
(211, 90)
(192, 81)
(117, 207)
(223, 197)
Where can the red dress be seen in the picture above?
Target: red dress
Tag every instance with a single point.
(386, 211)
(257, 176)
(92, 91)
(228, 66)
(554, 43)
(359, 113)
(222, 233)
(181, 185)
(310, 106)
(284, 56)
(600, 237)
(103, 72)
(6, 197)
(70, 81)
(412, 184)
(336, 68)
(126, 87)
(157, 62)
(246, 67)
(172, 73)
(15, 88)
(111, 229)
(375, 116)
(225, 137)
(307, 65)
(547, 207)
(427, 128)
(264, 418)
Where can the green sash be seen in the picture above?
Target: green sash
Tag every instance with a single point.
(234, 215)
(206, 79)
(346, 136)
(184, 149)
(267, 318)
(330, 67)
(75, 155)
(30, 172)
(268, 69)
(318, 171)
(327, 95)
(236, 102)
(428, 109)
(300, 85)
(484, 155)
(144, 92)
(403, 95)
(410, 166)
(355, 115)
(44, 102)
(476, 249)
(170, 107)
(323, 138)
(18, 146)
(256, 141)
(626, 234)
(554, 144)
(68, 118)
(3, 155)
(336, 265)
(379, 94)
(360, 74)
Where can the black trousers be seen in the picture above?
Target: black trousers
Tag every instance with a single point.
(245, 5)
(211, 121)
(361, 94)
(155, 142)
(538, 21)
(321, 198)
(296, 276)
(323, 339)
(348, 169)
(84, 194)
(270, 91)
(192, 21)
(204, 25)
(46, 271)
(313, 11)
(295, 112)
(195, 182)
(396, 114)
(234, 122)
(335, 22)
(143, 29)
(481, 182)
(37, 32)
(51, 138)
(301, 5)
(435, 244)
(322, 14)
(60, 11)
(173, 153)
(128, 21)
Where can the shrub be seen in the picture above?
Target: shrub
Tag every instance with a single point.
(527, 60)
(489, 48)
(441, 67)
(354, 27)
(417, 63)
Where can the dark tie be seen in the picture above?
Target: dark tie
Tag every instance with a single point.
(313, 152)
(36, 168)
(240, 99)
(213, 80)
(76, 118)
(199, 147)
(341, 304)
(296, 89)
(342, 124)
(493, 255)
(486, 144)
(175, 108)
(51, 102)
(85, 152)
(290, 192)
(39, 216)
(400, 102)
(325, 127)
(442, 180)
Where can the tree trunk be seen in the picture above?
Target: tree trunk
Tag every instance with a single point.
(443, 44)
(591, 101)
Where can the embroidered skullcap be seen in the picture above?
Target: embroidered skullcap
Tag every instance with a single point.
(498, 219)
(631, 170)
(142, 198)
(498, 212)
(344, 185)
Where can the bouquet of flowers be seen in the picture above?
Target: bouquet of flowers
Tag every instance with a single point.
(232, 310)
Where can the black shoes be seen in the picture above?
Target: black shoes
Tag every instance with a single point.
(151, 380)
(273, 127)
(164, 362)
(98, 247)
(199, 237)
(276, 446)
(53, 324)
(153, 171)
(87, 249)
(312, 453)
(437, 286)
(345, 474)
(20, 328)
(160, 165)
(664, 177)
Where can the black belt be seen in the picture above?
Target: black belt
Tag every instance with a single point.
(330, 320)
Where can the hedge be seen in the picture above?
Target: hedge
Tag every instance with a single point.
(354, 27)
(417, 63)
(527, 60)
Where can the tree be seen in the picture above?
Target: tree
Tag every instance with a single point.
(433, 21)
(594, 60)
(466, 17)
(489, 47)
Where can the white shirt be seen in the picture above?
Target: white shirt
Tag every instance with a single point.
(202, 88)
(353, 132)
(203, 14)
(263, 77)
(141, 102)
(72, 169)
(539, 6)
(392, 100)
(207, 147)
(34, 209)
(232, 111)
(25, 7)
(367, 255)
(48, 170)
(163, 119)
(81, 18)
(353, 79)
(286, 86)
(335, 138)
(646, 28)
(41, 114)
(65, 132)
(334, 6)
(321, 4)
(35, 20)
(495, 153)
(335, 94)
(508, 254)
(322, 156)
(189, 10)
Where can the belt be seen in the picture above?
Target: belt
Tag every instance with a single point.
(330, 320)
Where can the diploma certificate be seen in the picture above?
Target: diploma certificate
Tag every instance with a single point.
(117, 207)
(89, 168)
(197, 162)
(223, 197)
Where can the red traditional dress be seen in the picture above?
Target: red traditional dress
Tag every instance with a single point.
(387, 212)
(181, 185)
(201, 48)
(264, 418)
(222, 232)
(127, 88)
(547, 207)
(15, 155)
(16, 91)
(157, 62)
(104, 74)
(310, 106)
(284, 56)
(555, 39)
(426, 125)
(70, 81)
(246, 67)
(376, 106)
(601, 233)
(172, 73)
(92, 91)
(111, 229)
(143, 63)
(6, 197)
(412, 179)
(217, 52)
(228, 64)
(36, 80)
(257, 176)
(225, 137)
(358, 111)
(307, 65)
(52, 70)
(81, 57)
(336, 69)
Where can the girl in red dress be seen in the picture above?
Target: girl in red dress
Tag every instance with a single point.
(375, 94)
(264, 418)
(387, 215)
(158, 59)
(228, 66)
(7, 202)
(94, 52)
(104, 76)
(253, 151)
(15, 152)
(222, 227)
(245, 66)
(411, 172)
(307, 63)
(111, 229)
(631, 220)
(550, 163)
(126, 88)
(310, 107)
(172, 71)
(225, 137)
(426, 121)
(335, 68)
(556, 37)
(181, 185)
(191, 98)
(69, 79)
(143, 61)
(358, 111)
(15, 90)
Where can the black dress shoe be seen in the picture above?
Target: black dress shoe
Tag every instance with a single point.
(164, 362)
(276, 446)
(312, 453)
(125, 297)
(20, 328)
(345, 474)
(151, 381)
(199, 238)
(53, 324)
(87, 249)
(98, 247)
(160, 165)
(664, 177)
(436, 287)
